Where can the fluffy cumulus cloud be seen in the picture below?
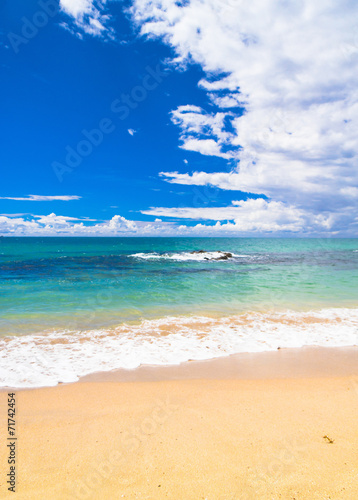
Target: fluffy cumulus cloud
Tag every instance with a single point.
(282, 77)
(58, 225)
(252, 216)
(52, 224)
(259, 216)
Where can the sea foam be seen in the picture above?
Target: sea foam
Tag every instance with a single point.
(64, 356)
(188, 256)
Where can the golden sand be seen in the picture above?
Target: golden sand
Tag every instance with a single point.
(223, 438)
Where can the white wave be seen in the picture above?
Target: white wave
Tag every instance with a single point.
(187, 256)
(47, 359)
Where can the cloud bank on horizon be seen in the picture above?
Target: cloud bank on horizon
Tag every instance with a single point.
(282, 79)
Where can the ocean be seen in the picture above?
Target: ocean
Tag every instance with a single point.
(74, 306)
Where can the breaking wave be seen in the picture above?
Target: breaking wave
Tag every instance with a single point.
(64, 356)
(198, 255)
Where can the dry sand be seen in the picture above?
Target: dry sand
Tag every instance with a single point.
(207, 431)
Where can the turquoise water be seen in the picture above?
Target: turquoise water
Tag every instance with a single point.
(80, 283)
(74, 306)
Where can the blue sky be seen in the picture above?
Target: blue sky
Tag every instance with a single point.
(215, 120)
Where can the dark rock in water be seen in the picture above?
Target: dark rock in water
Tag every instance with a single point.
(222, 256)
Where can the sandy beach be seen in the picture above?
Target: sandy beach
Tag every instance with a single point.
(253, 426)
(179, 250)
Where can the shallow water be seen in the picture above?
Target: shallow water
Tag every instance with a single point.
(104, 303)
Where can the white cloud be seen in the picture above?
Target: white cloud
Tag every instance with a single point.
(241, 218)
(87, 16)
(293, 66)
(131, 131)
(281, 79)
(36, 197)
(203, 132)
(77, 8)
(253, 215)
(207, 147)
(58, 225)
(52, 224)
(351, 192)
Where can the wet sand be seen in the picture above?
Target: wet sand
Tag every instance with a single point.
(244, 427)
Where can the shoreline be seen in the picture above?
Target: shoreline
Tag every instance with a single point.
(240, 427)
(300, 362)
(65, 357)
